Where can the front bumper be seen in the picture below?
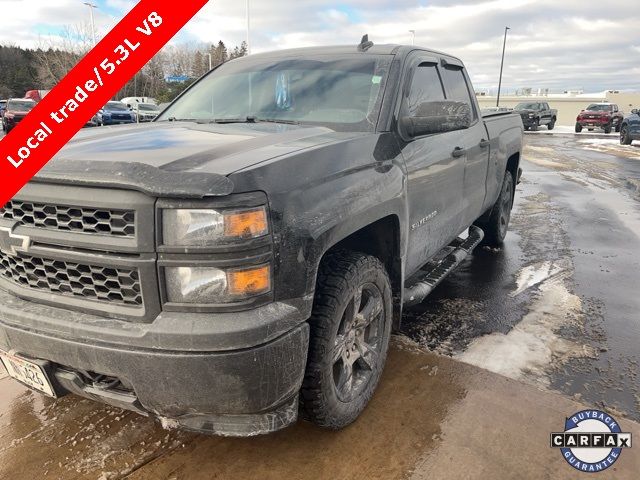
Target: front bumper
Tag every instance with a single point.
(230, 374)
(528, 121)
(597, 122)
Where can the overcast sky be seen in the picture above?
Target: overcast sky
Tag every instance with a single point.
(556, 44)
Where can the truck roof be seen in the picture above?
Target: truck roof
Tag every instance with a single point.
(385, 49)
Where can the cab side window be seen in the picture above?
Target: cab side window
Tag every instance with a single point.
(457, 87)
(426, 86)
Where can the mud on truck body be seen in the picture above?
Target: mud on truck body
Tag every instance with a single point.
(245, 256)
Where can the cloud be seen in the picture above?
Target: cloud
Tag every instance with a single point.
(551, 44)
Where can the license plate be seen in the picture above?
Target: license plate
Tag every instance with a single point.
(29, 373)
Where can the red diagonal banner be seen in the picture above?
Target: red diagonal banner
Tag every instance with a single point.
(86, 88)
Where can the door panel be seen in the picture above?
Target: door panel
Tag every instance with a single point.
(475, 172)
(434, 184)
(435, 178)
(474, 141)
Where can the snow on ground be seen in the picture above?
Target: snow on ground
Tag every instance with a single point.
(571, 129)
(610, 146)
(527, 351)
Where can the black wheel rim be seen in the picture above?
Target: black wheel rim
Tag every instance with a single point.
(505, 209)
(358, 343)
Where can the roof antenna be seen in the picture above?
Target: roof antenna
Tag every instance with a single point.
(365, 44)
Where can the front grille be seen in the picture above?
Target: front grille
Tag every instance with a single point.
(107, 284)
(121, 116)
(119, 223)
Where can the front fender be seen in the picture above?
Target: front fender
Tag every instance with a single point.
(320, 197)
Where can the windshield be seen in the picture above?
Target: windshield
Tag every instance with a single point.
(147, 107)
(342, 93)
(599, 108)
(20, 105)
(526, 106)
(116, 106)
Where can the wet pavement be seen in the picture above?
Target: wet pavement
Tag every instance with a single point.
(432, 418)
(483, 371)
(558, 305)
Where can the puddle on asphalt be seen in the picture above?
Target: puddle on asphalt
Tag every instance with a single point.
(75, 438)
(522, 322)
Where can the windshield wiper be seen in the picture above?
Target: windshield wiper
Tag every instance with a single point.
(234, 120)
(278, 120)
(174, 119)
(252, 119)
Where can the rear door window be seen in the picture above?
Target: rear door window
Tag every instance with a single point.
(457, 87)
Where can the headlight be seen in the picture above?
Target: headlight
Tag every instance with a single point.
(532, 115)
(210, 285)
(207, 227)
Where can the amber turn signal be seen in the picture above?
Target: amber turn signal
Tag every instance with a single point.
(249, 282)
(246, 224)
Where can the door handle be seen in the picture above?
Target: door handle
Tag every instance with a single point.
(484, 143)
(458, 152)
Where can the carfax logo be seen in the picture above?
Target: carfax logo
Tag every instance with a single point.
(592, 441)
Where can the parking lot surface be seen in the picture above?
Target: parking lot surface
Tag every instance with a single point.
(482, 372)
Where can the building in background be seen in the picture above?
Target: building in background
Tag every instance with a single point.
(568, 104)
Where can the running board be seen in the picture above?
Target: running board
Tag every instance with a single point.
(429, 279)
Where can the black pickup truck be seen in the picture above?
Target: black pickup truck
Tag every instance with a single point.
(246, 255)
(535, 114)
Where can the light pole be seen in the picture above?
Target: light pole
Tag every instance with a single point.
(504, 46)
(413, 36)
(210, 62)
(248, 28)
(93, 24)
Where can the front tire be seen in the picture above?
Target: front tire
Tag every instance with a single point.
(607, 129)
(496, 227)
(625, 138)
(578, 128)
(535, 125)
(552, 124)
(350, 332)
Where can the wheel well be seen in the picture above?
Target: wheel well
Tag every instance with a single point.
(512, 166)
(380, 239)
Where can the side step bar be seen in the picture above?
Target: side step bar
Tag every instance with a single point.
(425, 284)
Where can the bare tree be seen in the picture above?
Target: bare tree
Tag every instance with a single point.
(55, 56)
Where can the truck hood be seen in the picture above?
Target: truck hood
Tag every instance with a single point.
(177, 159)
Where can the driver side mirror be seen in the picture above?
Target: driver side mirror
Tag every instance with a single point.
(437, 117)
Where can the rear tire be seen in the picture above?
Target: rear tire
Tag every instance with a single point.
(618, 126)
(496, 227)
(578, 128)
(625, 138)
(552, 124)
(350, 332)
